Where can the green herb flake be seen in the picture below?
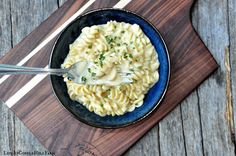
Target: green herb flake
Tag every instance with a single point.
(93, 74)
(83, 79)
(125, 55)
(89, 70)
(118, 44)
(109, 39)
(101, 105)
(90, 46)
(101, 64)
(125, 44)
(122, 31)
(102, 57)
(130, 55)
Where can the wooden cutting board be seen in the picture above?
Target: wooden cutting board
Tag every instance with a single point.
(33, 101)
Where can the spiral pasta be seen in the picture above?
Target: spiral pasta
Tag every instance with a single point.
(112, 46)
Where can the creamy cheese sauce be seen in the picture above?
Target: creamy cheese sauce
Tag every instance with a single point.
(114, 48)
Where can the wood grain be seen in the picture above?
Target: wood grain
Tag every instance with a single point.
(42, 9)
(148, 145)
(108, 134)
(191, 128)
(171, 135)
(61, 2)
(190, 116)
(15, 135)
(214, 114)
(5, 29)
(191, 123)
(41, 59)
(232, 55)
(7, 117)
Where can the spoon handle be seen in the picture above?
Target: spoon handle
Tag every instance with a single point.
(6, 69)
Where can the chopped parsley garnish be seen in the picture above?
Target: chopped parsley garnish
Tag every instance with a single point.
(118, 44)
(93, 74)
(101, 64)
(101, 104)
(122, 31)
(89, 70)
(109, 39)
(90, 46)
(125, 55)
(83, 79)
(101, 57)
(130, 55)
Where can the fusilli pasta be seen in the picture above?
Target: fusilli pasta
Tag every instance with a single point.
(113, 46)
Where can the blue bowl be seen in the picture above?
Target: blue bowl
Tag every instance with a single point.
(61, 49)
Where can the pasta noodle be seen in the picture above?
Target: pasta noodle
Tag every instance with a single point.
(112, 47)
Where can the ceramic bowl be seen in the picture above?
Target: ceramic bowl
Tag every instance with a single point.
(61, 49)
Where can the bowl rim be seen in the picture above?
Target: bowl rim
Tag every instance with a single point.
(138, 119)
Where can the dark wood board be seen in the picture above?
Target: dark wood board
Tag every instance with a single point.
(57, 129)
